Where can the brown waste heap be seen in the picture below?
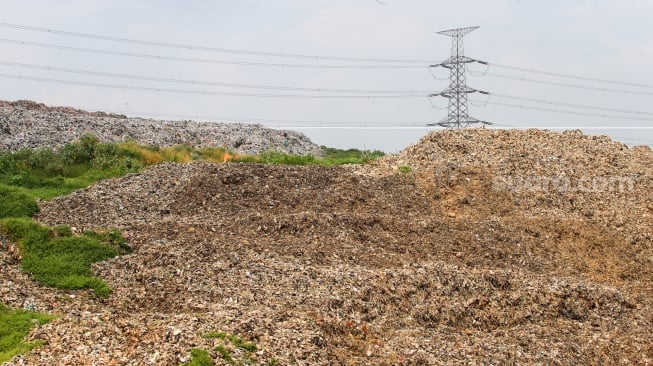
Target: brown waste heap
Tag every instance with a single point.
(451, 263)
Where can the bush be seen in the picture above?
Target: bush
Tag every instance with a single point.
(82, 151)
(7, 163)
(16, 203)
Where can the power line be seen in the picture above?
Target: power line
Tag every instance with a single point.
(206, 61)
(285, 55)
(609, 90)
(210, 49)
(533, 100)
(202, 92)
(571, 112)
(208, 83)
(569, 76)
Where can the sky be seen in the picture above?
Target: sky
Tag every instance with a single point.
(587, 40)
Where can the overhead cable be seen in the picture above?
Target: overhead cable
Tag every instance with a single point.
(533, 100)
(211, 49)
(203, 92)
(207, 61)
(569, 76)
(616, 117)
(208, 83)
(576, 86)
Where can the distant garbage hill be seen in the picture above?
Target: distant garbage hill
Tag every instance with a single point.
(27, 124)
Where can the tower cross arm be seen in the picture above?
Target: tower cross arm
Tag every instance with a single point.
(458, 32)
(450, 93)
(450, 62)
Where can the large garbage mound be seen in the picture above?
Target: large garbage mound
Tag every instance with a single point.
(546, 174)
(26, 124)
(365, 265)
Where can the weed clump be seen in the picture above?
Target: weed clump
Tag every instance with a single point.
(200, 358)
(16, 203)
(14, 326)
(404, 169)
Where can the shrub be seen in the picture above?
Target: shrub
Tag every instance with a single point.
(7, 163)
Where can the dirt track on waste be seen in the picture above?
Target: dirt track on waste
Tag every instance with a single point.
(365, 265)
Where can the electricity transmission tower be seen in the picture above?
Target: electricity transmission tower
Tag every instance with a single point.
(458, 110)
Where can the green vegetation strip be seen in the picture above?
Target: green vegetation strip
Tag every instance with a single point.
(14, 326)
(331, 157)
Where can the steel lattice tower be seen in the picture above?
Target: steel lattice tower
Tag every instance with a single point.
(458, 110)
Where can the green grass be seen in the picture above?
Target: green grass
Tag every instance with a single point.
(45, 173)
(331, 157)
(56, 258)
(404, 169)
(16, 202)
(200, 358)
(14, 326)
(234, 339)
(216, 335)
(225, 353)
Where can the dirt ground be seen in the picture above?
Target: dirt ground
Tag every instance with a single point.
(456, 262)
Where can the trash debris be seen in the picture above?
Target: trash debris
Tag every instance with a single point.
(365, 265)
(26, 124)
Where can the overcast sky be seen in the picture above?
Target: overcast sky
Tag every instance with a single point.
(608, 40)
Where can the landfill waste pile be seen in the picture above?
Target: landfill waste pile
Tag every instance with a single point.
(454, 251)
(26, 124)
